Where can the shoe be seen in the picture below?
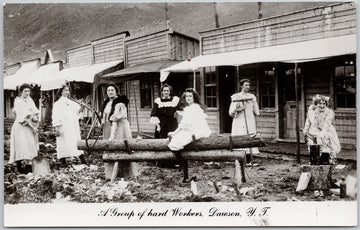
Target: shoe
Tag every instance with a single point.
(186, 181)
(250, 164)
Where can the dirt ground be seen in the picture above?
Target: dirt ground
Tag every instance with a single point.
(275, 179)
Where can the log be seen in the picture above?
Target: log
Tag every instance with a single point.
(237, 175)
(115, 172)
(320, 176)
(210, 155)
(210, 143)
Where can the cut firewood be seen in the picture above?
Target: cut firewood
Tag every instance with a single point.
(215, 155)
(303, 182)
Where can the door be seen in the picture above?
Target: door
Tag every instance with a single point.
(287, 102)
(227, 85)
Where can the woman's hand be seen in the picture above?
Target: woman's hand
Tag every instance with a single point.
(158, 128)
(240, 107)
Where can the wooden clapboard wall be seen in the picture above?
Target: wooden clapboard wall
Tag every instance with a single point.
(163, 44)
(79, 56)
(146, 48)
(330, 21)
(109, 48)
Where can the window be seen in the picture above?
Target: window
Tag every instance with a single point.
(146, 93)
(267, 89)
(210, 87)
(345, 85)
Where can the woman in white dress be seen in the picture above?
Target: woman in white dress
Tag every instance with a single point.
(244, 115)
(193, 123)
(319, 129)
(65, 119)
(24, 138)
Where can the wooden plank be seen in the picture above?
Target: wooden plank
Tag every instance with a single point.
(160, 48)
(142, 46)
(149, 41)
(132, 41)
(209, 155)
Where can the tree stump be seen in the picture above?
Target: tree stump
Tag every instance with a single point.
(320, 176)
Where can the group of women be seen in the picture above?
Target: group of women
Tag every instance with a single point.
(66, 113)
(181, 119)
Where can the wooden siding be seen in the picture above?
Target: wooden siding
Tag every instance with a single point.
(329, 21)
(266, 124)
(181, 47)
(79, 56)
(133, 87)
(345, 124)
(213, 121)
(108, 49)
(146, 49)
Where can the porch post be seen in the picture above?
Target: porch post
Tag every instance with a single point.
(194, 80)
(297, 113)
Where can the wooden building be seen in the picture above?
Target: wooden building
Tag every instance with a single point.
(146, 53)
(322, 41)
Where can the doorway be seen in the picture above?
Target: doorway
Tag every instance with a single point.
(287, 101)
(227, 86)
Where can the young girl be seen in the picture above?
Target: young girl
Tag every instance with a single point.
(193, 123)
(318, 128)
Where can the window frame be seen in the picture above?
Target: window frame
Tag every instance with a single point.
(262, 82)
(211, 71)
(344, 63)
(151, 91)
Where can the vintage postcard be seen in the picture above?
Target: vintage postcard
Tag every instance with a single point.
(176, 114)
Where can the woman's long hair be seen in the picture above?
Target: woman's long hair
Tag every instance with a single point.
(59, 92)
(196, 97)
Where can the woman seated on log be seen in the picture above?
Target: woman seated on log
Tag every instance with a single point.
(192, 126)
(116, 125)
(24, 139)
(319, 129)
(65, 117)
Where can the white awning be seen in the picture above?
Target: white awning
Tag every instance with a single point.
(44, 73)
(293, 53)
(84, 73)
(17, 79)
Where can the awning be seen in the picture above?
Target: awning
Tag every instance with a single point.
(44, 73)
(84, 73)
(293, 53)
(153, 67)
(17, 79)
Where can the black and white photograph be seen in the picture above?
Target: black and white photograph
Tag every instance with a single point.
(177, 114)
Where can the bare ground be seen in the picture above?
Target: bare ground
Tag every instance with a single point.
(275, 179)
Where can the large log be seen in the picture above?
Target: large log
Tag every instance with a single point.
(210, 155)
(210, 143)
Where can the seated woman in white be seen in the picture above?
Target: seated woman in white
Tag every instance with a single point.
(193, 124)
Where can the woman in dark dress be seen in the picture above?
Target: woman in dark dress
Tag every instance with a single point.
(163, 117)
(163, 113)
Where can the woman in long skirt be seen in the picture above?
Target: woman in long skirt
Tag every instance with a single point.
(163, 117)
(319, 129)
(243, 114)
(116, 125)
(65, 118)
(24, 139)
